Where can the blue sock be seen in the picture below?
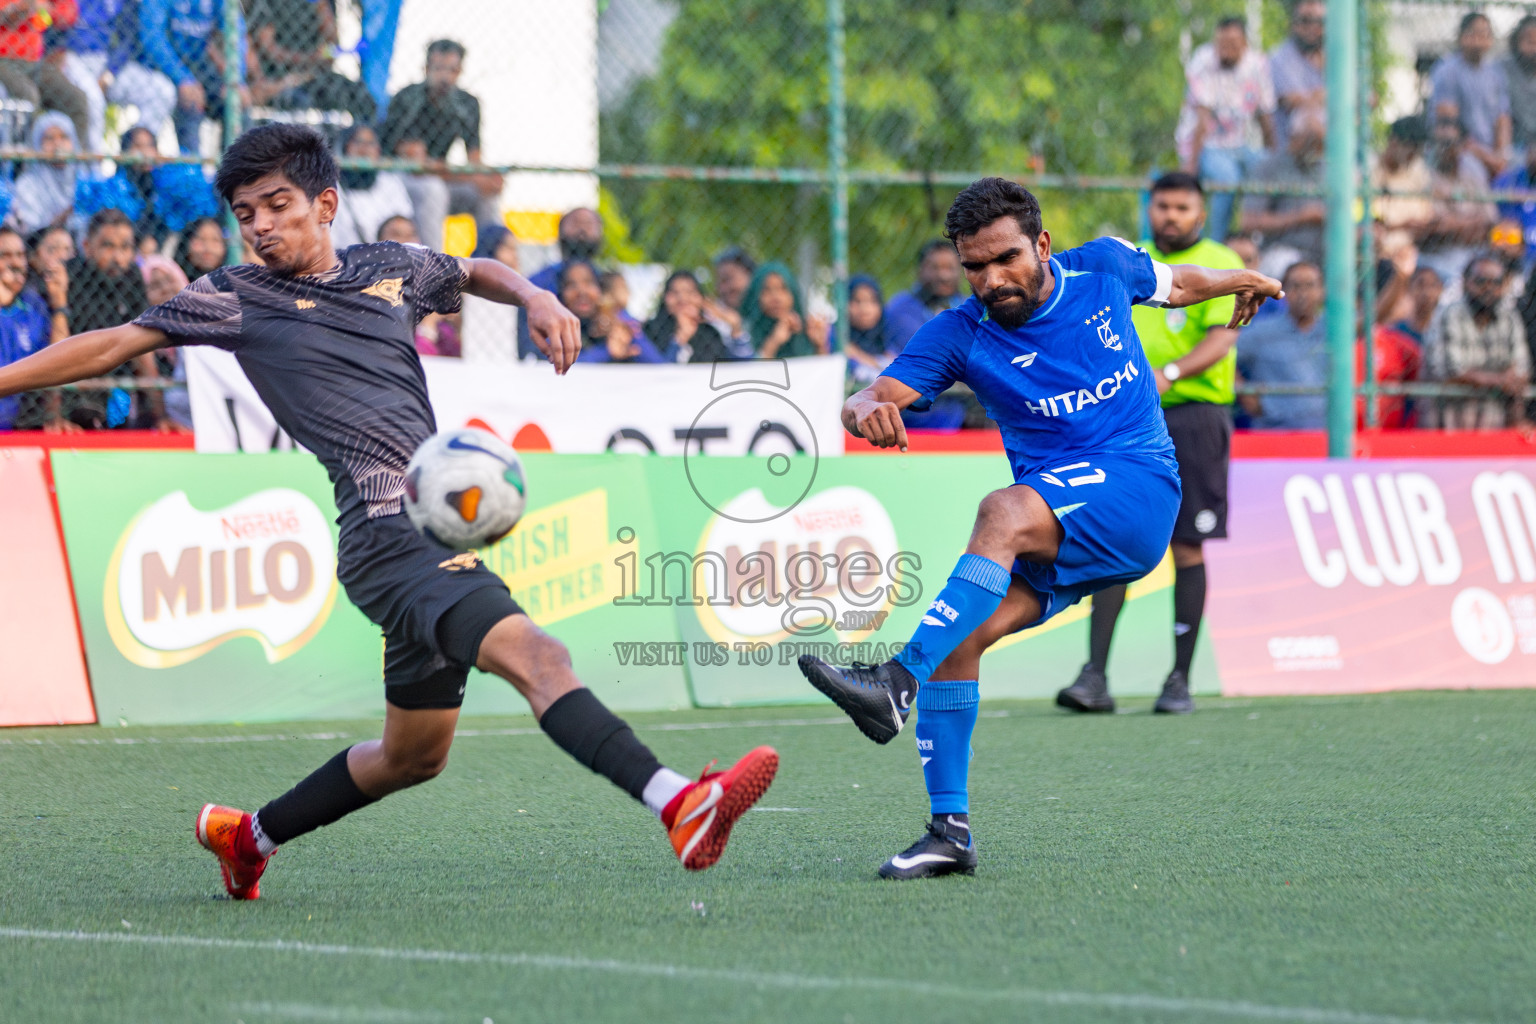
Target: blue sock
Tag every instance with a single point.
(975, 589)
(946, 716)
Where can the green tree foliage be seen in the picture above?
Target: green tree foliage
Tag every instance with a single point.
(1013, 87)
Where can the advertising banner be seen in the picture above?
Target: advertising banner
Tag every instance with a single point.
(761, 407)
(1345, 577)
(42, 669)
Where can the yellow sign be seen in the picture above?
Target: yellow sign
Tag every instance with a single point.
(559, 562)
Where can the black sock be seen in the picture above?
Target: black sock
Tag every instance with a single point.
(1101, 624)
(1188, 607)
(599, 739)
(327, 795)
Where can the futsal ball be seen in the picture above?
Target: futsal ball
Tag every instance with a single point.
(465, 488)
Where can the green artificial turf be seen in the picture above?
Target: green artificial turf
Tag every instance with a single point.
(1360, 860)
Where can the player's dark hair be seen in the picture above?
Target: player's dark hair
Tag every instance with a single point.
(297, 152)
(1178, 181)
(931, 246)
(988, 200)
(107, 217)
(448, 46)
(1468, 20)
(1233, 21)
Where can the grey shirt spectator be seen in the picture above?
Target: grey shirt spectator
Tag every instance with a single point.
(1478, 340)
(1470, 86)
(1290, 227)
(1520, 75)
(1297, 68)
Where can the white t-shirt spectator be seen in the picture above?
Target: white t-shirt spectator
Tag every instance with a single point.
(1235, 96)
(363, 211)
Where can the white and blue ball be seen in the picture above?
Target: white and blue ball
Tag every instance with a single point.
(465, 488)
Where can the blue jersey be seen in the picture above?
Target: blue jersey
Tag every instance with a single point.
(1072, 381)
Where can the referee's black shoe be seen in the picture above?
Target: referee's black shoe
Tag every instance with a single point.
(1090, 692)
(1175, 698)
(945, 849)
(877, 697)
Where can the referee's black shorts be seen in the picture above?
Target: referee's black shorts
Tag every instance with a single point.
(1202, 442)
(434, 605)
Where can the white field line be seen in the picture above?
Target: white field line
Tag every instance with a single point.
(347, 1014)
(1173, 1006)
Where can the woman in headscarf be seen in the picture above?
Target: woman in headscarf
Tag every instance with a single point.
(368, 197)
(45, 190)
(608, 335)
(203, 248)
(679, 326)
(867, 355)
(773, 315)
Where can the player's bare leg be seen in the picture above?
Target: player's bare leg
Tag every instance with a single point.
(413, 750)
(1011, 523)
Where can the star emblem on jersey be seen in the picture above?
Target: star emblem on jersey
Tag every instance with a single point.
(1107, 333)
(390, 289)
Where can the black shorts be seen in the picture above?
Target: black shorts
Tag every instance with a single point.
(435, 606)
(1202, 442)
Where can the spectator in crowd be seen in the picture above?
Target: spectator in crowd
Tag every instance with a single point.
(615, 289)
(867, 329)
(1402, 181)
(1290, 226)
(580, 238)
(181, 39)
(1289, 350)
(203, 248)
(399, 229)
(1227, 121)
(490, 328)
(101, 60)
(163, 279)
(1469, 87)
(24, 73)
(608, 334)
(1247, 251)
(937, 289)
(1396, 356)
(1460, 226)
(1425, 287)
(1521, 177)
(733, 270)
(49, 250)
(1520, 79)
(294, 40)
(1479, 341)
(367, 198)
(430, 117)
(161, 199)
(45, 189)
(1297, 68)
(26, 325)
(774, 316)
(679, 329)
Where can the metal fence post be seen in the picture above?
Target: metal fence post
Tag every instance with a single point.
(1341, 52)
(1368, 289)
(232, 59)
(837, 166)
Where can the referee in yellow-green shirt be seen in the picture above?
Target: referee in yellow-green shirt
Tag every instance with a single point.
(1194, 357)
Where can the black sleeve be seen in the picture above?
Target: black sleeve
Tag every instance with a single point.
(205, 312)
(437, 281)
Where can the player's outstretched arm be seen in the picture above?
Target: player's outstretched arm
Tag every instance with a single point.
(553, 328)
(1192, 285)
(875, 413)
(92, 354)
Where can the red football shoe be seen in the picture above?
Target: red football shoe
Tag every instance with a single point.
(226, 833)
(699, 819)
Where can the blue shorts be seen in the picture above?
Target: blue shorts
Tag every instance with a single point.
(1117, 514)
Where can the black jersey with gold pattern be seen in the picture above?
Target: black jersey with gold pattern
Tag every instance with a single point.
(333, 355)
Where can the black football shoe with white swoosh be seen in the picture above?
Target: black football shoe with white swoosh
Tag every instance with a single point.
(945, 849)
(877, 697)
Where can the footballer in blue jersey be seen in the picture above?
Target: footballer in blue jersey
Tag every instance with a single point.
(1047, 345)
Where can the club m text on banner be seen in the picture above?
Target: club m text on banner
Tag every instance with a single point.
(1362, 576)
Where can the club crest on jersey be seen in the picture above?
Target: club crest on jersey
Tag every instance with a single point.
(390, 289)
(1107, 333)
